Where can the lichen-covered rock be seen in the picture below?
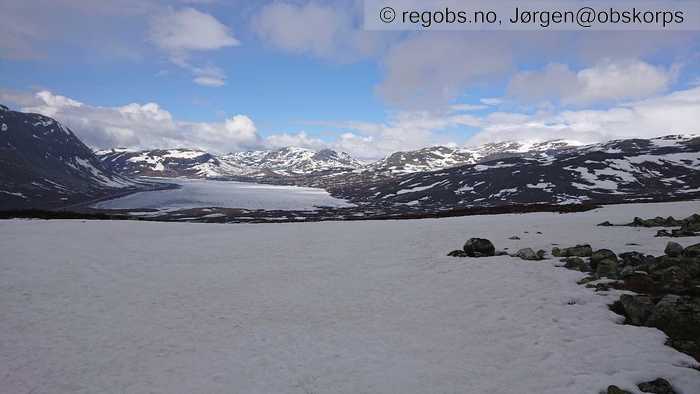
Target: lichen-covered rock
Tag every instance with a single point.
(479, 247)
(606, 268)
(577, 264)
(526, 254)
(556, 252)
(673, 249)
(678, 317)
(692, 251)
(635, 259)
(615, 390)
(637, 308)
(658, 386)
(575, 251)
(600, 255)
(640, 282)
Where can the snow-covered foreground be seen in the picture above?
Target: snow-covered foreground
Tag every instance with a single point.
(345, 307)
(199, 193)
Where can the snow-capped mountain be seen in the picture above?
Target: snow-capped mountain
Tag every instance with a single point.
(168, 163)
(294, 161)
(616, 171)
(45, 165)
(199, 164)
(440, 157)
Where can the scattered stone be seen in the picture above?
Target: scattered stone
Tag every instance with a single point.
(575, 251)
(692, 251)
(577, 264)
(515, 238)
(539, 232)
(600, 255)
(606, 268)
(501, 253)
(457, 253)
(479, 247)
(640, 282)
(556, 252)
(637, 308)
(605, 224)
(635, 259)
(615, 390)
(541, 254)
(527, 254)
(658, 386)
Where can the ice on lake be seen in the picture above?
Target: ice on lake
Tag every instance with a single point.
(199, 193)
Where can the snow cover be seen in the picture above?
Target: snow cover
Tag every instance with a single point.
(199, 193)
(344, 307)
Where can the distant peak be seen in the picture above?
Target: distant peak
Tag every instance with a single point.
(3, 108)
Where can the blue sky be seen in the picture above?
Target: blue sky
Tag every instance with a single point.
(233, 75)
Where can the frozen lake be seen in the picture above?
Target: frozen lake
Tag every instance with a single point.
(198, 193)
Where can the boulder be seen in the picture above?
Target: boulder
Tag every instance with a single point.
(615, 390)
(692, 251)
(637, 308)
(556, 252)
(635, 259)
(600, 255)
(673, 249)
(606, 268)
(527, 254)
(605, 224)
(678, 317)
(541, 254)
(457, 253)
(577, 264)
(576, 251)
(640, 282)
(479, 247)
(658, 386)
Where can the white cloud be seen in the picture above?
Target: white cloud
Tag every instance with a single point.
(185, 30)
(675, 113)
(603, 83)
(138, 125)
(431, 70)
(209, 76)
(323, 30)
(181, 32)
(300, 139)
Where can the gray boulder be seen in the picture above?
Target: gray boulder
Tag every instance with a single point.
(479, 247)
(576, 251)
(457, 253)
(658, 386)
(692, 251)
(600, 255)
(673, 249)
(606, 268)
(637, 308)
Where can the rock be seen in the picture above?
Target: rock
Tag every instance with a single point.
(600, 255)
(541, 254)
(640, 282)
(501, 253)
(479, 247)
(692, 251)
(637, 308)
(635, 259)
(556, 252)
(576, 251)
(527, 254)
(615, 390)
(457, 253)
(662, 233)
(678, 317)
(658, 386)
(576, 263)
(515, 238)
(605, 224)
(606, 268)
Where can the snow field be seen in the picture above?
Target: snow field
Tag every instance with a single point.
(334, 307)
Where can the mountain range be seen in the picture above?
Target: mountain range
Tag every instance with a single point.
(46, 166)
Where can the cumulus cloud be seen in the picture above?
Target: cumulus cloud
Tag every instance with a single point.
(605, 82)
(675, 113)
(300, 139)
(137, 125)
